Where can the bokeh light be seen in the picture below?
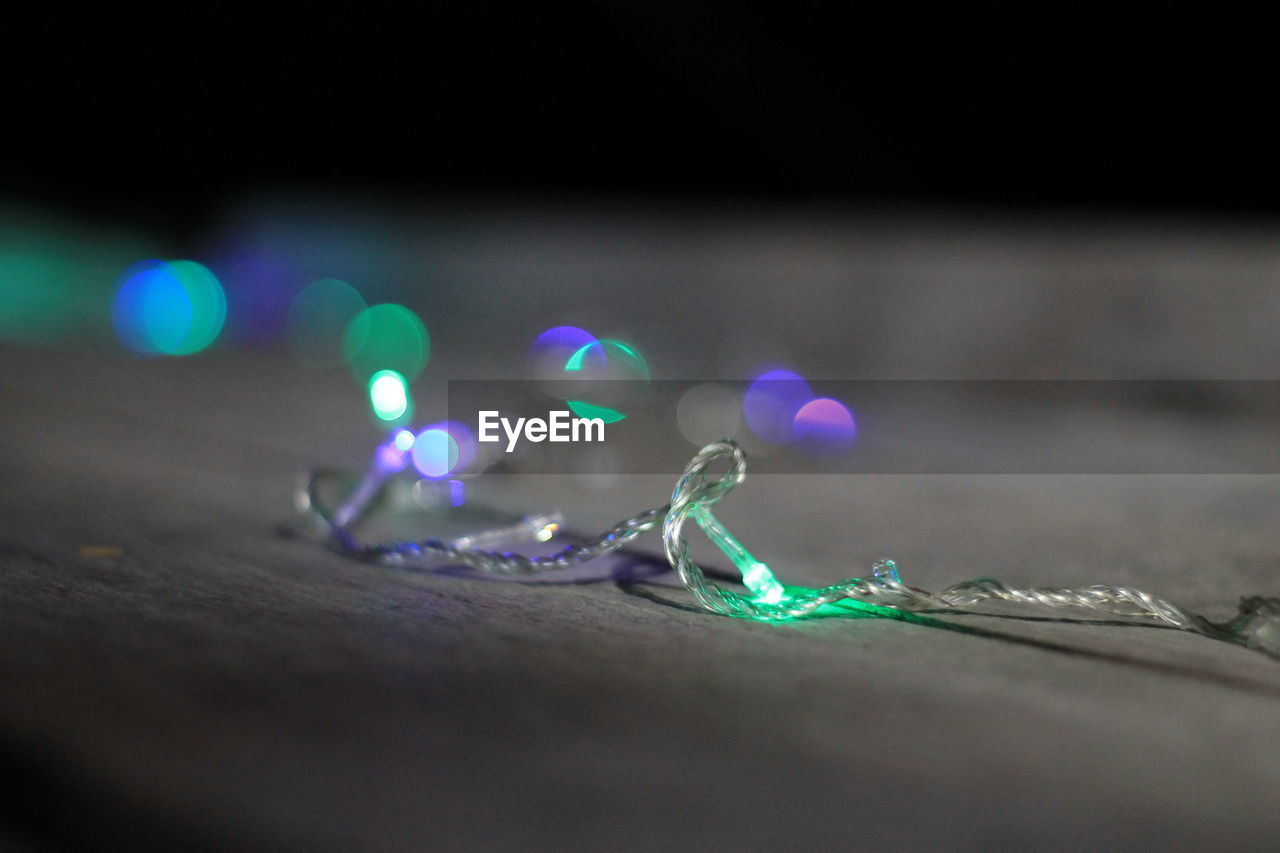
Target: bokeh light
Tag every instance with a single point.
(208, 305)
(435, 453)
(389, 396)
(548, 355)
(464, 439)
(318, 318)
(403, 440)
(606, 359)
(708, 412)
(169, 308)
(824, 426)
(771, 403)
(554, 347)
(31, 303)
(151, 309)
(386, 337)
(58, 280)
(391, 459)
(39, 291)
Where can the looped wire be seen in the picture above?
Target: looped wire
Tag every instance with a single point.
(1257, 625)
(696, 488)
(461, 551)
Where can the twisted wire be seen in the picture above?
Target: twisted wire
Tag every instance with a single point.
(696, 487)
(1112, 600)
(1257, 625)
(509, 563)
(497, 562)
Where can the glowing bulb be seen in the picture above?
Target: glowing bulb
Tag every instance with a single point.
(435, 453)
(771, 402)
(389, 396)
(824, 426)
(609, 359)
(464, 442)
(403, 440)
(386, 337)
(169, 308)
(622, 353)
(208, 306)
(389, 460)
(759, 578)
(553, 347)
(756, 576)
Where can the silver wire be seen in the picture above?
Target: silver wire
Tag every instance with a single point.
(462, 550)
(1257, 625)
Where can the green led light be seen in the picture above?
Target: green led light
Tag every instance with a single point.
(208, 307)
(576, 360)
(58, 280)
(767, 589)
(386, 337)
(389, 395)
(626, 363)
(169, 308)
(35, 301)
(608, 346)
(590, 410)
(756, 576)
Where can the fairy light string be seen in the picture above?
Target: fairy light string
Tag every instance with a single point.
(882, 593)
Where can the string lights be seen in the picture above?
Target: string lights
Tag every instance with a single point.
(179, 308)
(387, 345)
(882, 592)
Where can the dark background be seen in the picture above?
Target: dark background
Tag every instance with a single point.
(163, 116)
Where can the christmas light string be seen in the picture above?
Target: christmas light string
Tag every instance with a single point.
(882, 593)
(387, 336)
(178, 308)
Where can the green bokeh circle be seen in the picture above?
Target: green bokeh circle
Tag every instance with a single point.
(386, 337)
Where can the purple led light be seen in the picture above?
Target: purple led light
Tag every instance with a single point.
(435, 452)
(771, 403)
(824, 426)
(391, 459)
(571, 338)
(403, 440)
(552, 348)
(464, 438)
